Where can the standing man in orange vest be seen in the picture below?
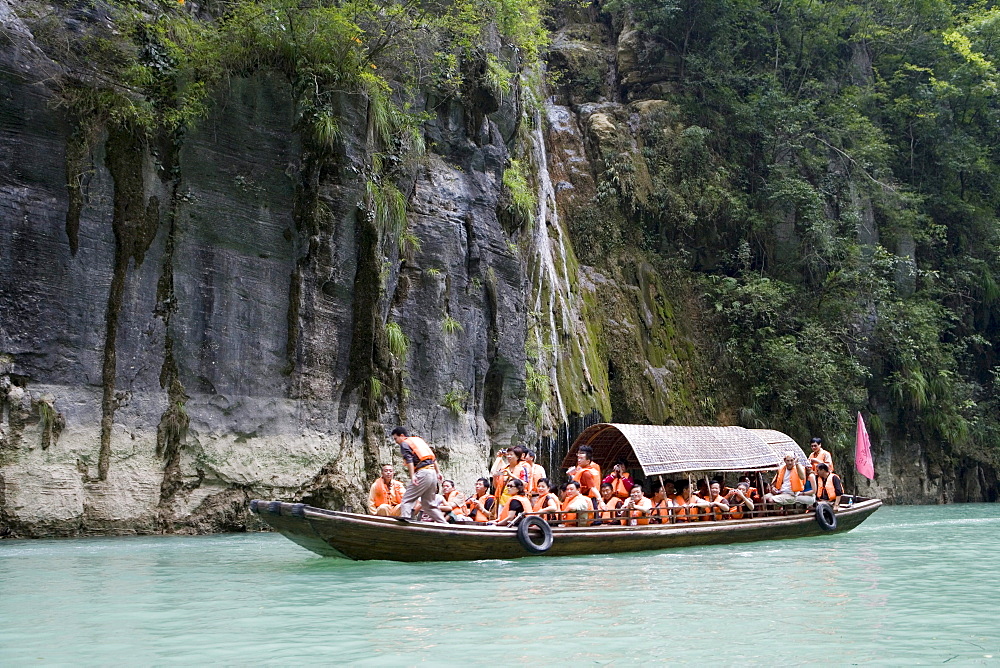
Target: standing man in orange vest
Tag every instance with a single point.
(424, 474)
(385, 494)
(586, 472)
(819, 455)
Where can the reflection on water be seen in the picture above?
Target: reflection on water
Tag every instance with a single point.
(915, 584)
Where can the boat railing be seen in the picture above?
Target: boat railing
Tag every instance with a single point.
(678, 514)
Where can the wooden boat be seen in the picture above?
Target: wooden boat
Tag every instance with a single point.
(657, 450)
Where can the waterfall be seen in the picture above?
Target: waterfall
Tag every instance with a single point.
(555, 301)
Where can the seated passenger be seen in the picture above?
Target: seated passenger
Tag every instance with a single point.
(739, 501)
(752, 491)
(517, 503)
(686, 504)
(546, 501)
(620, 480)
(807, 496)
(829, 487)
(660, 504)
(637, 507)
(479, 506)
(789, 479)
(385, 494)
(578, 508)
(716, 504)
(561, 493)
(608, 503)
(451, 504)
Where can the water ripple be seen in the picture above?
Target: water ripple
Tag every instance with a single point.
(911, 585)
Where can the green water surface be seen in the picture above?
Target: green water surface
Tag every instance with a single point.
(910, 585)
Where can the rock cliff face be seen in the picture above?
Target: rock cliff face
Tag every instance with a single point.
(184, 340)
(186, 326)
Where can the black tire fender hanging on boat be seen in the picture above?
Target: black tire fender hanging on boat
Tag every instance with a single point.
(825, 516)
(525, 538)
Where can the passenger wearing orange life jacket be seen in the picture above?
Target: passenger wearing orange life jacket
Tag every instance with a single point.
(545, 501)
(751, 491)
(620, 480)
(586, 472)
(637, 507)
(516, 469)
(807, 496)
(829, 487)
(739, 501)
(385, 494)
(661, 503)
(687, 507)
(819, 455)
(451, 505)
(517, 503)
(789, 480)
(535, 472)
(608, 504)
(578, 508)
(717, 505)
(424, 474)
(479, 506)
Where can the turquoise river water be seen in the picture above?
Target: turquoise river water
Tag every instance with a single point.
(913, 585)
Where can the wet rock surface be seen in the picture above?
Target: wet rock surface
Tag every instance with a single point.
(185, 332)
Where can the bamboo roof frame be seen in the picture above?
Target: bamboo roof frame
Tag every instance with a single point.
(661, 450)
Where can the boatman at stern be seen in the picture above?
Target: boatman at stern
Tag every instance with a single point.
(424, 474)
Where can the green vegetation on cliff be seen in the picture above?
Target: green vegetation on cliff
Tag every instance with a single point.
(828, 173)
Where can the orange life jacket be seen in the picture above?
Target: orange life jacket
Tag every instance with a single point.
(525, 505)
(661, 511)
(608, 508)
(639, 517)
(589, 478)
(535, 473)
(825, 491)
(420, 449)
(543, 501)
(736, 511)
(520, 470)
(454, 499)
(824, 457)
(381, 495)
(715, 513)
(570, 518)
(682, 512)
(797, 483)
(473, 510)
(618, 484)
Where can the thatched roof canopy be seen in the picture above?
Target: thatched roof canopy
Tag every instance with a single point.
(662, 450)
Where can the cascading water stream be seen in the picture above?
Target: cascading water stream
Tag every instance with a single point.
(551, 262)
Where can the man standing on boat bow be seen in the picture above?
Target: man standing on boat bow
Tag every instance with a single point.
(424, 474)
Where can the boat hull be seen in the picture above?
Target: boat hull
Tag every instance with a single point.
(363, 537)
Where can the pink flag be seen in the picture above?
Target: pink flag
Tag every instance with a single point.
(863, 451)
